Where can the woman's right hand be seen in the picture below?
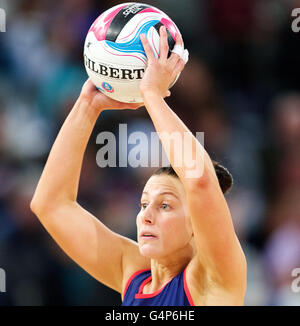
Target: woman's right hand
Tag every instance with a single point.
(99, 101)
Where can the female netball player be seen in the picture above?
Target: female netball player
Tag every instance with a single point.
(187, 251)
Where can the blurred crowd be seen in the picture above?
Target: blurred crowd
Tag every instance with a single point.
(240, 87)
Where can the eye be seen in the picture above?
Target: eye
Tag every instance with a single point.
(165, 206)
(143, 205)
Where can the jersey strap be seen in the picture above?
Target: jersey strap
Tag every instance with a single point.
(173, 293)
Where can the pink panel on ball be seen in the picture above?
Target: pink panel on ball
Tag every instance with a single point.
(101, 24)
(171, 27)
(151, 10)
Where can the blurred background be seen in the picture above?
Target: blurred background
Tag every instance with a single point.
(241, 88)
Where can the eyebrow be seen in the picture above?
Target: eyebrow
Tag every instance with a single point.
(163, 193)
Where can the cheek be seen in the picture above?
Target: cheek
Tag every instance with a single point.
(138, 223)
(176, 230)
(138, 218)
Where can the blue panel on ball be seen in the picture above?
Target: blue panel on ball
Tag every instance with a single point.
(135, 44)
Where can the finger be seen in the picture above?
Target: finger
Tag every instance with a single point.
(179, 40)
(87, 84)
(174, 58)
(185, 56)
(178, 48)
(89, 88)
(179, 67)
(87, 81)
(147, 48)
(163, 43)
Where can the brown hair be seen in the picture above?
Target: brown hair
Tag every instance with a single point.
(224, 176)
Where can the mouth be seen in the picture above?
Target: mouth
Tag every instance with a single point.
(148, 236)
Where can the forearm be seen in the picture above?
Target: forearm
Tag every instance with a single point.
(60, 178)
(191, 162)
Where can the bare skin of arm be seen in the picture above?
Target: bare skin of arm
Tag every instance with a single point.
(219, 252)
(82, 236)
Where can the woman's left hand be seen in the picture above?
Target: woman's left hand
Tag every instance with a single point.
(161, 73)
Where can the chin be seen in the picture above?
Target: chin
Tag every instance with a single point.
(149, 251)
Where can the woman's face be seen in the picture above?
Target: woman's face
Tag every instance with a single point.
(163, 223)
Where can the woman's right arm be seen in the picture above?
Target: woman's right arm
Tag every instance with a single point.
(82, 236)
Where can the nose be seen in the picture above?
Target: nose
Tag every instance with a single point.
(147, 215)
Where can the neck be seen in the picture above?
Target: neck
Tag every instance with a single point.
(164, 269)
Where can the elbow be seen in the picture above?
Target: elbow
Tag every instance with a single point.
(200, 183)
(42, 210)
(37, 207)
(43, 206)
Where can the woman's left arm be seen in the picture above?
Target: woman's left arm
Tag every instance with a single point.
(218, 247)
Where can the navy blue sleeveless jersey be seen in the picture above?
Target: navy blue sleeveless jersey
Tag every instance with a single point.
(174, 293)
